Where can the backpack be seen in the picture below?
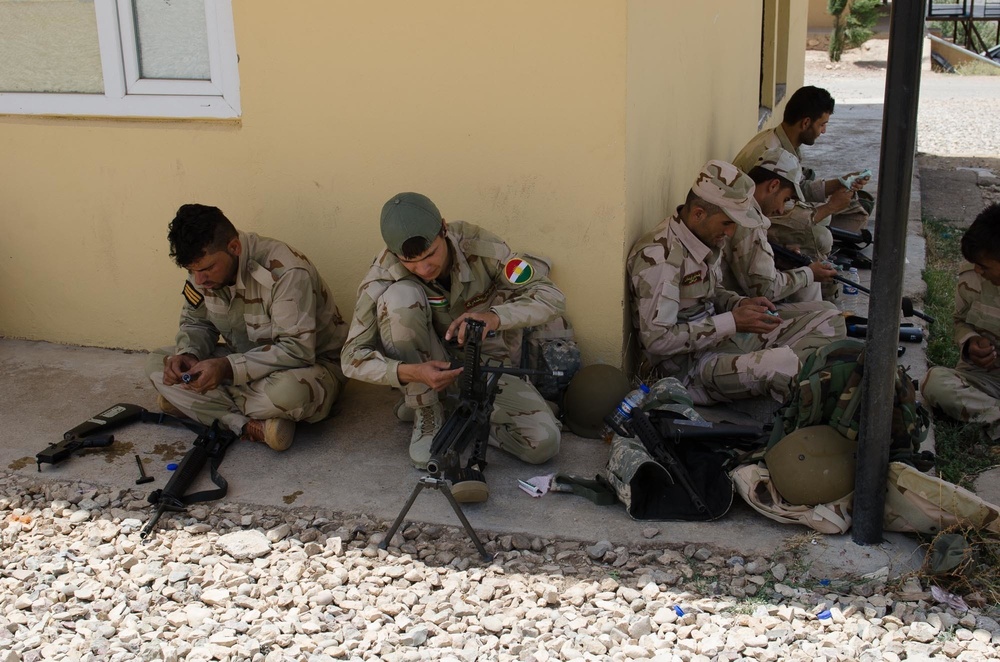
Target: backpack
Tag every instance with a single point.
(551, 347)
(828, 392)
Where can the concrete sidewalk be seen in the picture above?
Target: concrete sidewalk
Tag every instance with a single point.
(357, 461)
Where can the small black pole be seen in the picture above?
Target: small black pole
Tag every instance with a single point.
(899, 130)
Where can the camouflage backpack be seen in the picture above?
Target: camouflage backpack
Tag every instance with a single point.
(828, 392)
(550, 347)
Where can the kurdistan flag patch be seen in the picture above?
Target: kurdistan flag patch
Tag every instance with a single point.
(438, 301)
(518, 271)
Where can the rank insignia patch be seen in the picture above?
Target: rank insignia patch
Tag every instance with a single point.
(691, 279)
(518, 271)
(193, 296)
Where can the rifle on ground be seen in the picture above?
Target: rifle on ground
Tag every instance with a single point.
(467, 426)
(210, 447)
(82, 436)
(799, 260)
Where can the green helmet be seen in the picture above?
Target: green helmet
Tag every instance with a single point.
(592, 394)
(812, 465)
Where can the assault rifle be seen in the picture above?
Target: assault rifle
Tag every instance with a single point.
(210, 447)
(700, 478)
(82, 436)
(799, 260)
(467, 426)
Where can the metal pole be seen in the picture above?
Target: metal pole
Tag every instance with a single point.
(899, 130)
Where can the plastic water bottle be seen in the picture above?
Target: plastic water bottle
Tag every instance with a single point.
(618, 420)
(849, 294)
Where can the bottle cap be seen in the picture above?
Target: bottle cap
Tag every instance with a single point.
(643, 388)
(172, 466)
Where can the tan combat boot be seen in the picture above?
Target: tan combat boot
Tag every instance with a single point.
(427, 421)
(278, 433)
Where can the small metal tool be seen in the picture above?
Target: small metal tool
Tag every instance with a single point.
(143, 478)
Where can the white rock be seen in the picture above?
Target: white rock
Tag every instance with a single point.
(244, 545)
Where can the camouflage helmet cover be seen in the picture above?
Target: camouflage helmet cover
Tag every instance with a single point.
(592, 394)
(812, 465)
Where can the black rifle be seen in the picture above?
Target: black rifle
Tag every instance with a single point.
(80, 438)
(662, 436)
(800, 260)
(468, 425)
(210, 447)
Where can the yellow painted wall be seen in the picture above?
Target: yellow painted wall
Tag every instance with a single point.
(508, 116)
(566, 126)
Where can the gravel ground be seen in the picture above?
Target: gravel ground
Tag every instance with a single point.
(228, 582)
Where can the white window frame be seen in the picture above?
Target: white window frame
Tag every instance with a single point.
(127, 95)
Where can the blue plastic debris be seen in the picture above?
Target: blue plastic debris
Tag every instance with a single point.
(678, 610)
(823, 615)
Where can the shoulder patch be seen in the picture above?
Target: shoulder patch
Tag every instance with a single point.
(193, 296)
(518, 271)
(691, 279)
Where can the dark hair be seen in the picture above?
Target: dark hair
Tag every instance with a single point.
(693, 200)
(759, 175)
(807, 102)
(982, 239)
(196, 231)
(414, 246)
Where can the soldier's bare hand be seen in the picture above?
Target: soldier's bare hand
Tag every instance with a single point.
(457, 328)
(839, 200)
(209, 374)
(175, 366)
(981, 351)
(439, 375)
(756, 315)
(822, 272)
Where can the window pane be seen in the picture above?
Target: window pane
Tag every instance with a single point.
(173, 39)
(49, 46)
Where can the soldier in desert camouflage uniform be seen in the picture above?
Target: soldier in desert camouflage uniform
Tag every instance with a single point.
(282, 332)
(826, 202)
(747, 258)
(971, 391)
(430, 278)
(720, 345)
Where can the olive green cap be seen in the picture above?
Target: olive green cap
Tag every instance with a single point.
(409, 215)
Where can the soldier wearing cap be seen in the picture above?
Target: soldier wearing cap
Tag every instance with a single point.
(282, 332)
(721, 345)
(431, 277)
(747, 258)
(971, 391)
(805, 118)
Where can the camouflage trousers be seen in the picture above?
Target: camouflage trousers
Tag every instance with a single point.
(522, 422)
(299, 394)
(749, 365)
(968, 394)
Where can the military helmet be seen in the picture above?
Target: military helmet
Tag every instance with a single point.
(592, 394)
(812, 465)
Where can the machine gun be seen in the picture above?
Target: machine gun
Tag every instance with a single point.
(210, 447)
(701, 489)
(467, 426)
(799, 260)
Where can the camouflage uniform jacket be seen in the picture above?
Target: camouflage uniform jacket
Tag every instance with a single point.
(748, 265)
(479, 283)
(813, 189)
(678, 303)
(279, 314)
(977, 309)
